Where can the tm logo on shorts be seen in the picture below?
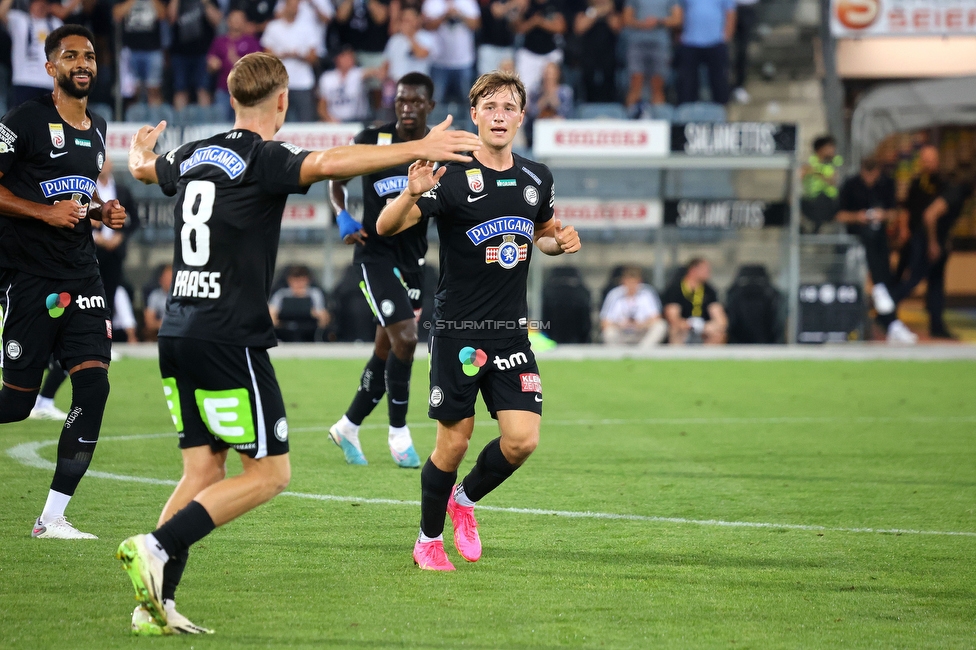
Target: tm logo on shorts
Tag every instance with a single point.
(56, 302)
(472, 360)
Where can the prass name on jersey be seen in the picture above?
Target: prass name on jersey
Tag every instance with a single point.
(196, 284)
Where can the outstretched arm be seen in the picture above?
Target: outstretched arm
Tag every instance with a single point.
(358, 159)
(402, 212)
(142, 158)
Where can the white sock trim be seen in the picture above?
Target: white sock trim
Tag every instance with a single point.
(399, 439)
(156, 548)
(54, 506)
(461, 498)
(424, 539)
(43, 402)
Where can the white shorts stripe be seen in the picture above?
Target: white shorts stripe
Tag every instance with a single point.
(258, 410)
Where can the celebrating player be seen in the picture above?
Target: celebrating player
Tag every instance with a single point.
(392, 280)
(489, 211)
(51, 151)
(218, 380)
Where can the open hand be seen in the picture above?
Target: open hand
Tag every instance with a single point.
(64, 214)
(442, 145)
(421, 177)
(567, 238)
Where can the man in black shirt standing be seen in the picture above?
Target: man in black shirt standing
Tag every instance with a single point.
(218, 380)
(51, 152)
(393, 275)
(866, 204)
(489, 213)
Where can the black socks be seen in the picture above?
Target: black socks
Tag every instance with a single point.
(397, 389)
(370, 391)
(184, 529)
(490, 471)
(435, 490)
(89, 392)
(173, 573)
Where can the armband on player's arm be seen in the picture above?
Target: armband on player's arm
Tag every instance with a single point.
(398, 215)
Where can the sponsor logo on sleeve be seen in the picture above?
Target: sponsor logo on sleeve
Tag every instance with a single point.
(538, 181)
(531, 382)
(295, 149)
(68, 185)
(431, 193)
(225, 159)
(57, 134)
(476, 181)
(390, 185)
(5, 148)
(100, 160)
(7, 136)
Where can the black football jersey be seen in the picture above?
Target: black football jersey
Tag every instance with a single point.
(231, 190)
(486, 221)
(44, 159)
(406, 249)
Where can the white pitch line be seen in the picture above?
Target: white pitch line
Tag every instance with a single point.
(913, 419)
(26, 454)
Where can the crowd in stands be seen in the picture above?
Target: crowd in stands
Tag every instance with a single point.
(343, 56)
(904, 199)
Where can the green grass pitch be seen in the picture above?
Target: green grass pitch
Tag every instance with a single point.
(835, 445)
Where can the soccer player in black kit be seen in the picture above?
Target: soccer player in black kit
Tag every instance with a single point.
(393, 274)
(489, 212)
(218, 380)
(51, 152)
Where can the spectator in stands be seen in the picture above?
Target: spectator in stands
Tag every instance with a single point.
(597, 28)
(553, 99)
(649, 24)
(631, 313)
(411, 48)
(156, 304)
(341, 92)
(938, 220)
(259, 13)
(364, 26)
(224, 53)
(707, 28)
(866, 204)
(497, 37)
(28, 29)
(142, 45)
(455, 22)
(193, 24)
(300, 286)
(692, 309)
(540, 24)
(298, 44)
(820, 177)
(745, 24)
(111, 246)
(397, 6)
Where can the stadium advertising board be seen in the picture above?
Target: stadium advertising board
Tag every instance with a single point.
(603, 138)
(856, 18)
(724, 215)
(830, 313)
(733, 138)
(594, 213)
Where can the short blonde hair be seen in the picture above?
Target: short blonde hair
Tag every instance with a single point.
(255, 77)
(490, 83)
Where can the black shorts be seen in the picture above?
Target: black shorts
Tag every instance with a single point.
(43, 316)
(225, 396)
(504, 370)
(392, 295)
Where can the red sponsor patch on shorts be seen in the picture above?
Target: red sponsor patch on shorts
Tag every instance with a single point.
(531, 382)
(108, 328)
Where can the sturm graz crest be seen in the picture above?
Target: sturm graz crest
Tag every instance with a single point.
(508, 253)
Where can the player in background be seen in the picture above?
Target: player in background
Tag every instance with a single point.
(393, 275)
(489, 212)
(51, 152)
(219, 384)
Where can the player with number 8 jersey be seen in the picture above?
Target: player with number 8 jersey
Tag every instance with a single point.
(217, 378)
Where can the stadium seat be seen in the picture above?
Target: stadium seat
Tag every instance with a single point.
(660, 112)
(699, 184)
(137, 113)
(699, 112)
(754, 308)
(601, 111)
(566, 306)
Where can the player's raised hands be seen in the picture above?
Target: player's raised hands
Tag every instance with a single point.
(421, 177)
(113, 214)
(64, 214)
(444, 145)
(147, 136)
(567, 238)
